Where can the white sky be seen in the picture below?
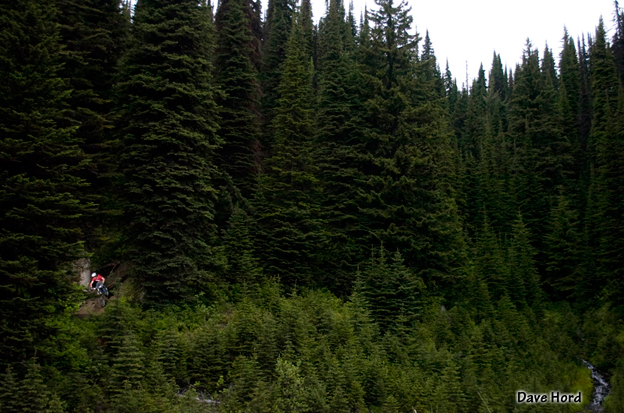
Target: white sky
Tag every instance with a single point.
(471, 30)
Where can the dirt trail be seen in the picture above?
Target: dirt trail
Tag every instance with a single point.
(92, 306)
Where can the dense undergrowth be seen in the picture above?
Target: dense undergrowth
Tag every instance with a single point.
(312, 352)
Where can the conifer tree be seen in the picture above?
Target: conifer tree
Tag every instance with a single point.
(498, 82)
(40, 160)
(570, 87)
(169, 354)
(391, 405)
(490, 264)
(542, 154)
(429, 65)
(618, 40)
(339, 123)
(243, 267)
(405, 199)
(604, 93)
(278, 26)
(128, 365)
(521, 263)
(478, 296)
(601, 143)
(475, 122)
(9, 392)
(555, 151)
(291, 391)
(307, 29)
(569, 105)
(168, 128)
(585, 113)
(611, 205)
(207, 357)
(287, 200)
(237, 77)
(549, 71)
(95, 34)
(33, 395)
(564, 251)
(391, 290)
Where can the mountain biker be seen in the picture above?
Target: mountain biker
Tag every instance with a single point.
(98, 280)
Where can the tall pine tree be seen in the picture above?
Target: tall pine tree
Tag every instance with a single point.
(40, 160)
(339, 124)
(404, 197)
(290, 230)
(237, 77)
(168, 128)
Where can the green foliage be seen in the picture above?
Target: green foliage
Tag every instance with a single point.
(41, 209)
(286, 203)
(168, 127)
(339, 124)
(95, 34)
(128, 366)
(501, 205)
(278, 26)
(9, 392)
(564, 249)
(522, 264)
(393, 292)
(242, 266)
(404, 199)
(237, 78)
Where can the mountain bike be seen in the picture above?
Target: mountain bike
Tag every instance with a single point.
(102, 291)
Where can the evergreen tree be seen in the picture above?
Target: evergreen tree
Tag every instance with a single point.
(170, 355)
(405, 199)
(585, 113)
(521, 263)
(564, 251)
(208, 358)
(95, 34)
(291, 391)
(242, 266)
(498, 82)
(287, 201)
(33, 395)
(549, 71)
(168, 128)
(604, 93)
(128, 365)
(569, 105)
(602, 160)
(339, 123)
(391, 290)
(570, 88)
(475, 123)
(278, 26)
(478, 296)
(307, 29)
(611, 205)
(490, 264)
(237, 77)
(430, 68)
(9, 392)
(40, 209)
(542, 154)
(618, 40)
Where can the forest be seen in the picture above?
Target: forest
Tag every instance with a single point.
(311, 218)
